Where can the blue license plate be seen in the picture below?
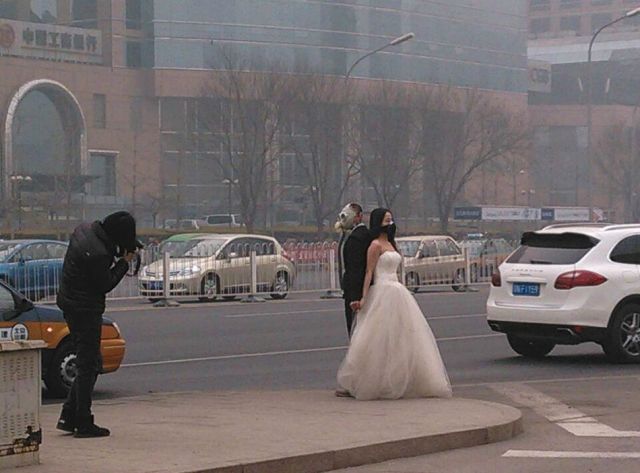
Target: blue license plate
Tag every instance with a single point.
(526, 289)
(155, 285)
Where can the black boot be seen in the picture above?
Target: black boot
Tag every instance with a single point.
(85, 428)
(67, 421)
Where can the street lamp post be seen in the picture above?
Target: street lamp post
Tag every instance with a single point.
(629, 14)
(395, 42)
(230, 183)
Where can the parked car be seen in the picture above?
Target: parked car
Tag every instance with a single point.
(219, 265)
(485, 255)
(21, 320)
(569, 284)
(32, 267)
(190, 224)
(432, 259)
(223, 220)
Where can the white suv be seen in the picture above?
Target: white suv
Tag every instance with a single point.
(568, 284)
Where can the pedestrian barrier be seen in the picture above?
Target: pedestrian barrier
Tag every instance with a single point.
(210, 270)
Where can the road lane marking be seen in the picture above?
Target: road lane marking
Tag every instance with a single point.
(274, 353)
(294, 312)
(556, 454)
(569, 418)
(339, 310)
(200, 305)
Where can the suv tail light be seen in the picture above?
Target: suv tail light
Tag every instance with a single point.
(496, 279)
(286, 255)
(579, 278)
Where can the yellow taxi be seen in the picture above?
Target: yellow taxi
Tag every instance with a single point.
(20, 319)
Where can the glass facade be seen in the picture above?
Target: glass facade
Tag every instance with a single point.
(459, 42)
(78, 13)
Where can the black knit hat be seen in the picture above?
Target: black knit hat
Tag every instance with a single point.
(121, 228)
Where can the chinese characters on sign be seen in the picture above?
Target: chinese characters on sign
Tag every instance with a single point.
(62, 43)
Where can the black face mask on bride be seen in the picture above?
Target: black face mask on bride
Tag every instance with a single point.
(376, 228)
(390, 230)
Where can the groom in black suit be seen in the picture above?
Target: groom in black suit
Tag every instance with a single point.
(352, 253)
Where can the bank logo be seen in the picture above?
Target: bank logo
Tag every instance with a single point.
(7, 36)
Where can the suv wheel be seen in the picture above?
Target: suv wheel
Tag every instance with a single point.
(412, 281)
(530, 348)
(458, 281)
(209, 288)
(622, 342)
(280, 286)
(62, 370)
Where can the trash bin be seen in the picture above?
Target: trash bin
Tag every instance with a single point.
(20, 397)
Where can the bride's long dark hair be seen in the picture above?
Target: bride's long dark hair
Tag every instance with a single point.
(375, 225)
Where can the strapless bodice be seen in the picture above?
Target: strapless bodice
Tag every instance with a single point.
(387, 267)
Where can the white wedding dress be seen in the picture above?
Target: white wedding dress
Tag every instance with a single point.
(393, 353)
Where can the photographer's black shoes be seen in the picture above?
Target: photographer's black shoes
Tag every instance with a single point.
(66, 422)
(87, 429)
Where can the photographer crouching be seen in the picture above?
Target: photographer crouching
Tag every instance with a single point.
(97, 259)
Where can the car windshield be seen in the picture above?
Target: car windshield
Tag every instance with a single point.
(552, 248)
(6, 249)
(192, 248)
(409, 248)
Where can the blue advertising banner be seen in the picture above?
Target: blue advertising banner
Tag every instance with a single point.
(467, 213)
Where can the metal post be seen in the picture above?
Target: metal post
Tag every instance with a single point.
(467, 271)
(253, 296)
(333, 292)
(166, 300)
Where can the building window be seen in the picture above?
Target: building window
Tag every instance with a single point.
(569, 3)
(539, 25)
(9, 9)
(102, 168)
(599, 20)
(539, 4)
(99, 111)
(570, 23)
(44, 11)
(84, 13)
(172, 114)
(134, 54)
(134, 14)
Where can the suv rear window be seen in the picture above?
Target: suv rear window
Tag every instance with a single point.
(552, 248)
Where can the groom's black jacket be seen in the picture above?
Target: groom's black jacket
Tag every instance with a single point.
(355, 263)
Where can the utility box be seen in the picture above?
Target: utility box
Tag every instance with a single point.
(20, 397)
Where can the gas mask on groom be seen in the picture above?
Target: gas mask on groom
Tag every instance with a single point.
(346, 219)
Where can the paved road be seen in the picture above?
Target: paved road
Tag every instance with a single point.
(299, 343)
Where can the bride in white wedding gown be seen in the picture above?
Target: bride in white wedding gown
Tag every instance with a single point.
(393, 353)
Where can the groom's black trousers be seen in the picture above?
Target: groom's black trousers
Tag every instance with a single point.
(349, 315)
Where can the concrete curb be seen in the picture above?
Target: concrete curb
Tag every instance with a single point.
(376, 453)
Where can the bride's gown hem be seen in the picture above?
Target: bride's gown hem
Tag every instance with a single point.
(393, 353)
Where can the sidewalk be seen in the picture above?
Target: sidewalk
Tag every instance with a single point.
(274, 432)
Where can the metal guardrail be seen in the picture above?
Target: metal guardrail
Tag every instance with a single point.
(265, 271)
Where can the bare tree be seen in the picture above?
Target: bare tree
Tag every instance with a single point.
(252, 109)
(314, 137)
(617, 158)
(383, 142)
(463, 132)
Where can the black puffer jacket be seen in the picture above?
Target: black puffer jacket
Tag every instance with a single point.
(88, 272)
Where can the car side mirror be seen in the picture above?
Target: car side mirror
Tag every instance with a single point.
(23, 305)
(420, 254)
(232, 255)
